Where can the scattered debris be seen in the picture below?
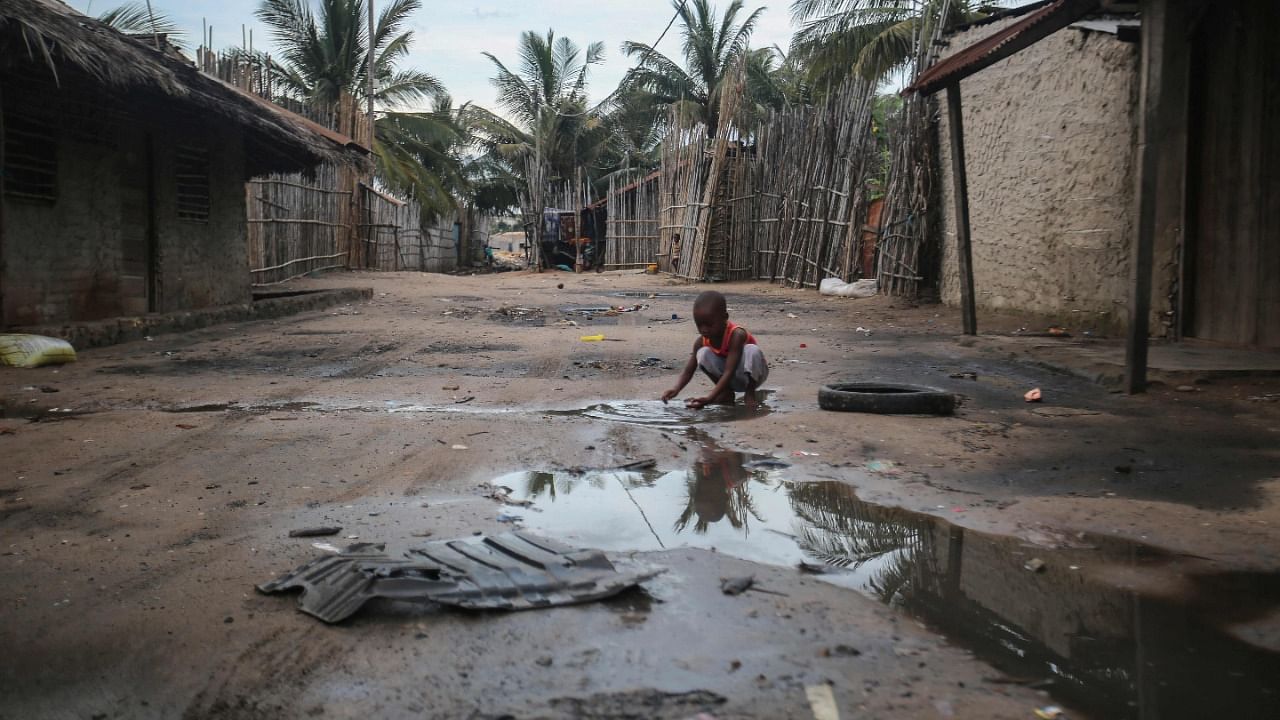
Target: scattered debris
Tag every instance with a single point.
(737, 585)
(509, 518)
(816, 568)
(882, 466)
(1268, 397)
(1035, 565)
(1050, 712)
(822, 702)
(1187, 388)
(185, 426)
(464, 400)
(512, 571)
(326, 547)
(502, 494)
(457, 447)
(310, 532)
(766, 464)
(963, 376)
(592, 338)
(1033, 396)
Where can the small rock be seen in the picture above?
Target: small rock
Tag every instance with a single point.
(544, 661)
(1035, 565)
(229, 620)
(314, 532)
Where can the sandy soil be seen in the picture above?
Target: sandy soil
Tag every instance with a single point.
(147, 488)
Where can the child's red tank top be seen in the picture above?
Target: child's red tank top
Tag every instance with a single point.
(723, 350)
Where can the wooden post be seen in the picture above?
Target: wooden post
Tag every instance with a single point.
(964, 251)
(1143, 251)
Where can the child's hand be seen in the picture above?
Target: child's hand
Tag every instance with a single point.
(697, 403)
(669, 395)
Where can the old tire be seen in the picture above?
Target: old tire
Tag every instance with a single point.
(886, 399)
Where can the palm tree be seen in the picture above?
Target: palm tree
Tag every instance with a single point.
(323, 58)
(711, 46)
(323, 63)
(871, 38)
(546, 101)
(135, 18)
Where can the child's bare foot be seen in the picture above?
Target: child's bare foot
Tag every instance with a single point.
(724, 398)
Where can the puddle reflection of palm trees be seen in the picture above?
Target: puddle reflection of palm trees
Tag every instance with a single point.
(836, 528)
(540, 484)
(719, 489)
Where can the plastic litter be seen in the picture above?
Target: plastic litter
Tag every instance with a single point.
(592, 338)
(856, 289)
(1050, 712)
(822, 702)
(29, 351)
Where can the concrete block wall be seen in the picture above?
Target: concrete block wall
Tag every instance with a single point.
(1050, 143)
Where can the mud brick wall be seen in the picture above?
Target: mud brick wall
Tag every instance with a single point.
(203, 264)
(1050, 143)
(83, 256)
(62, 259)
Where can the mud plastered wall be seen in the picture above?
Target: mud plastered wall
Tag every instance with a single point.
(1050, 135)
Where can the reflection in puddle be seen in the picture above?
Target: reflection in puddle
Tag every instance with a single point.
(1079, 627)
(655, 413)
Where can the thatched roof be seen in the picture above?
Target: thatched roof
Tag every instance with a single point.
(51, 32)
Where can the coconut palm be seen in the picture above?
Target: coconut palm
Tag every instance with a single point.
(136, 18)
(545, 98)
(323, 57)
(711, 46)
(323, 64)
(871, 38)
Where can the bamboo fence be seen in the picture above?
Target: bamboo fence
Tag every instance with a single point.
(909, 223)
(807, 184)
(783, 201)
(296, 225)
(631, 225)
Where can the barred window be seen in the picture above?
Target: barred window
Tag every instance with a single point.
(193, 184)
(30, 159)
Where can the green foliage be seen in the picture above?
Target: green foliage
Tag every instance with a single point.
(711, 46)
(135, 18)
(869, 38)
(325, 56)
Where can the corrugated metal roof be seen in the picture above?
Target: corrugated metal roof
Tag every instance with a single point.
(1001, 44)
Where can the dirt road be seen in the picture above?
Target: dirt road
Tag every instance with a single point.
(1109, 554)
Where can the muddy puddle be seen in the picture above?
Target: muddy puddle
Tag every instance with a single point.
(654, 413)
(1116, 629)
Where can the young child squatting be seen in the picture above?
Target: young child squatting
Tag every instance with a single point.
(727, 353)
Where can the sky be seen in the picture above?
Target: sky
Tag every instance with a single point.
(449, 36)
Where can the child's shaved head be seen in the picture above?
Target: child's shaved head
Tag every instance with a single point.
(712, 302)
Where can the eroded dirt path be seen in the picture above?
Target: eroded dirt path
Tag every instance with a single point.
(146, 489)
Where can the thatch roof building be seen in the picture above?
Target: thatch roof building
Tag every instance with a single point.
(124, 171)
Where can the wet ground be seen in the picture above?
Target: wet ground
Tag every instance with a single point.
(1115, 556)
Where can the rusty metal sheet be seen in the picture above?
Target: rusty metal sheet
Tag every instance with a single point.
(512, 571)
